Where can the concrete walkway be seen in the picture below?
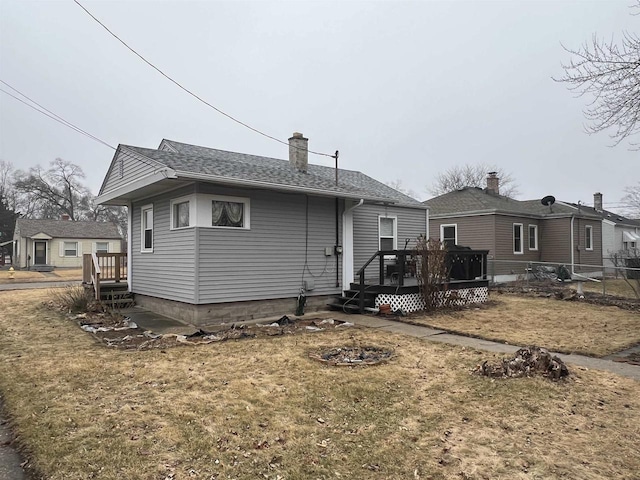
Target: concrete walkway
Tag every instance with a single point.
(623, 369)
(33, 285)
(10, 462)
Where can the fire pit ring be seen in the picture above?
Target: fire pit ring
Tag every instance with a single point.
(351, 356)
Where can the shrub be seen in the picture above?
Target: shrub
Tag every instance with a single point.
(74, 299)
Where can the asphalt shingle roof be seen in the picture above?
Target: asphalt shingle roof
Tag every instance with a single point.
(67, 229)
(474, 199)
(241, 166)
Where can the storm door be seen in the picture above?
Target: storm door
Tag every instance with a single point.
(40, 252)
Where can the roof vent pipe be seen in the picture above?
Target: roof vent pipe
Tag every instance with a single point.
(299, 152)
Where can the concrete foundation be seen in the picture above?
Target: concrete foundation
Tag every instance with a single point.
(217, 313)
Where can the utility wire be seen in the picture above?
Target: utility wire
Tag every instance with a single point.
(50, 114)
(54, 116)
(194, 95)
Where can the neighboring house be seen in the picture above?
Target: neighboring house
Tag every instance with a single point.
(45, 244)
(517, 232)
(219, 236)
(619, 233)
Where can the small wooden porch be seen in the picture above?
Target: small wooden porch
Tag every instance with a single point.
(395, 281)
(106, 275)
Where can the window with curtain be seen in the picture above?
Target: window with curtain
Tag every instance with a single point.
(227, 214)
(180, 214)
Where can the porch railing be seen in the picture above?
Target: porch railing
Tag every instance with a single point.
(103, 267)
(394, 265)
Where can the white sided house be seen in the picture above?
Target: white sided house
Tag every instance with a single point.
(218, 236)
(47, 244)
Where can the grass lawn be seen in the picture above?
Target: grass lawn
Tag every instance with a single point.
(612, 286)
(561, 326)
(60, 275)
(262, 409)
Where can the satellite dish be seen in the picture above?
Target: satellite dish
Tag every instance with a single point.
(548, 200)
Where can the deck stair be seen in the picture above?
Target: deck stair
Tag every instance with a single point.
(116, 295)
(348, 301)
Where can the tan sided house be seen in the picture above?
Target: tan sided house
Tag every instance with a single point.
(47, 244)
(518, 234)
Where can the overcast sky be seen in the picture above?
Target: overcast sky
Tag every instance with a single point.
(403, 89)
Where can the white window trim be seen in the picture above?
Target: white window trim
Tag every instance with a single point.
(442, 227)
(203, 211)
(143, 209)
(588, 234)
(513, 239)
(395, 233)
(95, 246)
(64, 250)
(535, 227)
(192, 211)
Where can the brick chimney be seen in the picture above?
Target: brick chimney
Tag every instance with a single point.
(597, 201)
(493, 183)
(299, 152)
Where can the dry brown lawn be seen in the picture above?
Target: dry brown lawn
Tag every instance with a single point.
(262, 409)
(558, 325)
(61, 275)
(612, 286)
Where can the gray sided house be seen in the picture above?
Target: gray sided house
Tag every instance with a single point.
(517, 232)
(619, 233)
(48, 244)
(219, 236)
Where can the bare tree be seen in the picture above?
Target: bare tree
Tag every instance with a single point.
(50, 193)
(632, 199)
(398, 185)
(608, 74)
(624, 260)
(472, 175)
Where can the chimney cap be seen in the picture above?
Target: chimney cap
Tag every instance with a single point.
(493, 174)
(297, 135)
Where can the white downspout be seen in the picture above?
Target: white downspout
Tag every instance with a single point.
(426, 215)
(573, 272)
(347, 245)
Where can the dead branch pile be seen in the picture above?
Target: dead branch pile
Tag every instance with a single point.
(353, 355)
(526, 362)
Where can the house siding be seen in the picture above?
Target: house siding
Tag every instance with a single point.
(411, 223)
(588, 258)
(555, 240)
(474, 232)
(268, 260)
(169, 271)
(132, 169)
(85, 245)
(201, 265)
(609, 242)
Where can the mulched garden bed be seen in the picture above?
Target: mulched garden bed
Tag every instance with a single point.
(120, 332)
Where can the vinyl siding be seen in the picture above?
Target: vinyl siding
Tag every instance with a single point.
(411, 223)
(609, 244)
(268, 260)
(584, 256)
(132, 169)
(474, 232)
(555, 240)
(54, 246)
(201, 265)
(169, 271)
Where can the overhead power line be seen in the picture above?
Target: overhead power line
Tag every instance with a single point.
(185, 89)
(54, 116)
